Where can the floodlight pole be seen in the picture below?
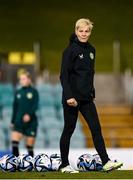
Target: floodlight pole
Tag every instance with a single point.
(116, 57)
(37, 51)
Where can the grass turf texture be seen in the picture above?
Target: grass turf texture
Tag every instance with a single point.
(57, 175)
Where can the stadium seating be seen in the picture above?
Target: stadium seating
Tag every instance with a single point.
(116, 121)
(2, 139)
(46, 111)
(6, 94)
(2, 136)
(117, 126)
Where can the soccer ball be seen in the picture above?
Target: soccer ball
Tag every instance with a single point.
(55, 161)
(8, 163)
(25, 163)
(42, 163)
(98, 162)
(88, 162)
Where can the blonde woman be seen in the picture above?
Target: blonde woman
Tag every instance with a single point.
(77, 80)
(24, 119)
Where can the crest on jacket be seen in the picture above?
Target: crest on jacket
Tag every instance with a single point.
(91, 55)
(29, 95)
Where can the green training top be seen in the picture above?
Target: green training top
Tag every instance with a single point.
(25, 102)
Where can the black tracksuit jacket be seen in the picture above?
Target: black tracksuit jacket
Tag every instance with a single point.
(77, 71)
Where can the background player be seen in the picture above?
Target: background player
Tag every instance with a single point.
(24, 119)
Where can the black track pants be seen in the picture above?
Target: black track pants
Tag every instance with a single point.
(89, 112)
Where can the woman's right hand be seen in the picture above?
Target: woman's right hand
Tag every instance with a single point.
(72, 102)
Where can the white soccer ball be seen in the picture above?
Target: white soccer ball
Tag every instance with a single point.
(86, 162)
(25, 163)
(55, 161)
(98, 162)
(8, 163)
(42, 163)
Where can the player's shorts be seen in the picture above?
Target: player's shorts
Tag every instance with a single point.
(28, 129)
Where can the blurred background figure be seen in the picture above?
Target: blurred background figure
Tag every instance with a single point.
(24, 120)
(33, 36)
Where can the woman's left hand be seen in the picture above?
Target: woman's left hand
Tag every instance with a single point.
(26, 118)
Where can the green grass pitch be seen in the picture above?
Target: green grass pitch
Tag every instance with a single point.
(57, 175)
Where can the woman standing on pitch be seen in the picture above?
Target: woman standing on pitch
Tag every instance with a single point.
(24, 120)
(77, 80)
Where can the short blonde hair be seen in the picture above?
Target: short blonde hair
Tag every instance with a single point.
(24, 72)
(83, 22)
